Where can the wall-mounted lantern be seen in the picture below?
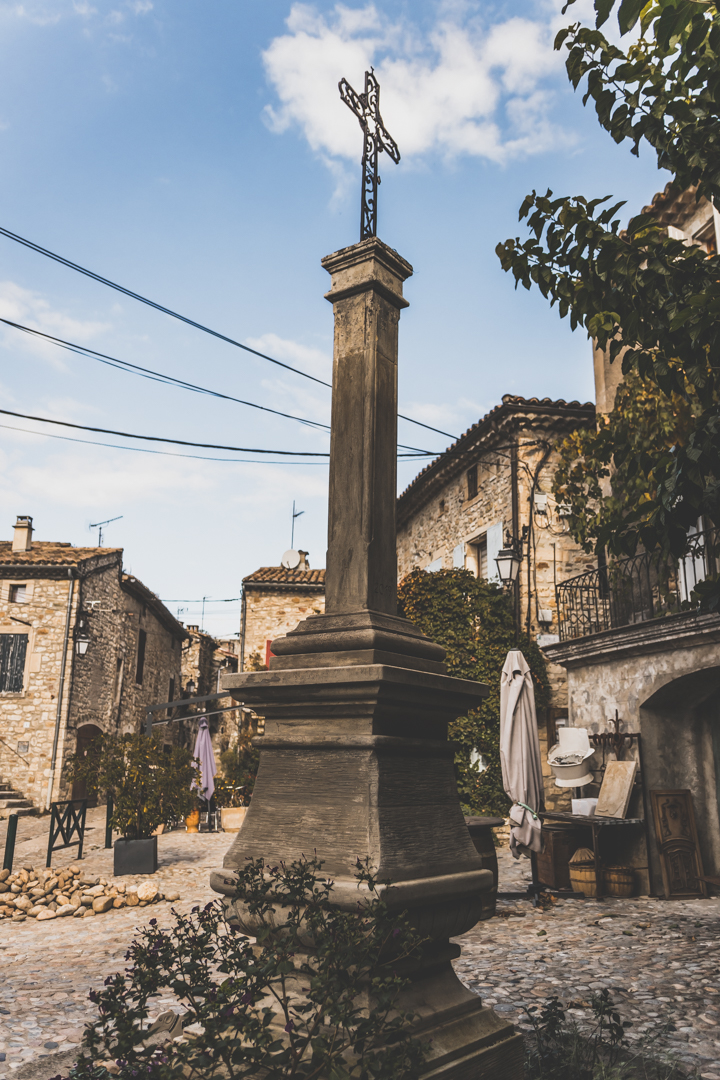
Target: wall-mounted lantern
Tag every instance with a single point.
(509, 558)
(82, 635)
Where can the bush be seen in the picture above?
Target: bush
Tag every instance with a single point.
(149, 786)
(559, 1050)
(270, 1009)
(473, 620)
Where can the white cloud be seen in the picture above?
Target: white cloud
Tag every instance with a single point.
(23, 306)
(315, 361)
(462, 88)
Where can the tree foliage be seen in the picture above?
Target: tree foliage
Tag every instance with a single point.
(473, 620)
(639, 292)
(149, 786)
(272, 1007)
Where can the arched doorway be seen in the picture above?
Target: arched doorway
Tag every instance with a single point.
(86, 736)
(680, 725)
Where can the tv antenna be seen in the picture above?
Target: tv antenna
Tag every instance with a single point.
(294, 515)
(100, 524)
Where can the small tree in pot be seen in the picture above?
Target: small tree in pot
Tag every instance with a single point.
(148, 786)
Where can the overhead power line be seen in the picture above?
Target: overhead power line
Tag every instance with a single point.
(155, 376)
(183, 318)
(185, 442)
(166, 380)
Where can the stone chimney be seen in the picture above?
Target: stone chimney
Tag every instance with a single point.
(303, 564)
(22, 537)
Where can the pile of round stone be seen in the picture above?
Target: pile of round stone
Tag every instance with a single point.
(52, 894)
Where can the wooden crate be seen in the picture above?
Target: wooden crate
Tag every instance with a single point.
(561, 841)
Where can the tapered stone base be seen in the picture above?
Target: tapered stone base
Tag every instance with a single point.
(355, 762)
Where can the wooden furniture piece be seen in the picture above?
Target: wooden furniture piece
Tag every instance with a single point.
(677, 841)
(597, 826)
(481, 834)
(561, 842)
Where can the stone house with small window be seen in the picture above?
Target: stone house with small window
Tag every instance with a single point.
(274, 601)
(84, 649)
(495, 483)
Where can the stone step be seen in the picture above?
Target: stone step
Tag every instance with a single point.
(21, 811)
(15, 801)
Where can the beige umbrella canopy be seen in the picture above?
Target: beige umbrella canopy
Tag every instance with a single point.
(520, 755)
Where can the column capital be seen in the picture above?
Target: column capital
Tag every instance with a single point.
(368, 266)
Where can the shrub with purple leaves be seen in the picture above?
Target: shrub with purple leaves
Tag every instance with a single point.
(315, 994)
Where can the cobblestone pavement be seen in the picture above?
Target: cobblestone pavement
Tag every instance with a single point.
(659, 960)
(48, 968)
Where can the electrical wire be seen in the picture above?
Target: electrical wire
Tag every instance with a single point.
(167, 380)
(183, 318)
(183, 442)
(161, 453)
(155, 376)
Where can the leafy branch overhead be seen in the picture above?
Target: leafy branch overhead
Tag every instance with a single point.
(650, 300)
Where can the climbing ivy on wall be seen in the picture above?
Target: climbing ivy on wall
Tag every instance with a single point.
(473, 620)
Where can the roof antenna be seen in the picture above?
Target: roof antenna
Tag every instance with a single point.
(99, 526)
(294, 515)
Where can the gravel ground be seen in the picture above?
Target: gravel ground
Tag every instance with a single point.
(660, 960)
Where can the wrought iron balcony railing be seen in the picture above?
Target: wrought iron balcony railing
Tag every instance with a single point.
(634, 590)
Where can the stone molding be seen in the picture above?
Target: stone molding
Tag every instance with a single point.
(656, 635)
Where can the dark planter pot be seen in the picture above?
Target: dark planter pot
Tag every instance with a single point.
(136, 856)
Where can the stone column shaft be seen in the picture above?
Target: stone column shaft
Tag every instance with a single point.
(366, 295)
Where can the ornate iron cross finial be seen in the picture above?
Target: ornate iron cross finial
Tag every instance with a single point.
(376, 139)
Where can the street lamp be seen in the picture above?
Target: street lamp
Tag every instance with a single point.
(509, 558)
(82, 635)
(190, 688)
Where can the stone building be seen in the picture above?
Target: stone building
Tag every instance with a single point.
(84, 649)
(274, 600)
(494, 480)
(631, 651)
(204, 659)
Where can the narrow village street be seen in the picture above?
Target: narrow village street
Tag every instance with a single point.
(660, 961)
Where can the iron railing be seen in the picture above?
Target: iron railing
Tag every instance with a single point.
(634, 590)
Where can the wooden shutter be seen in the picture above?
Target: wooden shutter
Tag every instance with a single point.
(142, 640)
(13, 649)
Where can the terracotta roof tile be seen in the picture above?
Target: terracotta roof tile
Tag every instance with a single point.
(50, 552)
(510, 403)
(279, 575)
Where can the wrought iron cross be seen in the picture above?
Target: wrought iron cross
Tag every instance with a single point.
(376, 139)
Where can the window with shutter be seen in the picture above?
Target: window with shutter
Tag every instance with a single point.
(13, 649)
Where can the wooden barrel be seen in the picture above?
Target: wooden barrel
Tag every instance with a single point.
(618, 881)
(583, 879)
(582, 872)
(481, 834)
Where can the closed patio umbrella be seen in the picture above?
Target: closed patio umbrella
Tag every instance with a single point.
(204, 754)
(520, 755)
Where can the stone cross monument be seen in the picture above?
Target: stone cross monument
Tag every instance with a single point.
(355, 759)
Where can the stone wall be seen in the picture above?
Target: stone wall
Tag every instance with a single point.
(29, 717)
(102, 690)
(270, 613)
(663, 678)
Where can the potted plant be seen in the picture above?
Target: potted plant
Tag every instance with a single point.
(233, 791)
(230, 798)
(148, 788)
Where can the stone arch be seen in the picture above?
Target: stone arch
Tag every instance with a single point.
(86, 736)
(680, 726)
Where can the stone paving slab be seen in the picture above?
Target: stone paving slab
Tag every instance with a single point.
(660, 961)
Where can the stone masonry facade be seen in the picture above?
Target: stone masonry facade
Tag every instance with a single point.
(131, 660)
(275, 600)
(497, 478)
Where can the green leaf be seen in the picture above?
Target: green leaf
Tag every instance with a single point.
(603, 9)
(629, 14)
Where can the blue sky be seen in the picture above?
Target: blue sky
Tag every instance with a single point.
(197, 152)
